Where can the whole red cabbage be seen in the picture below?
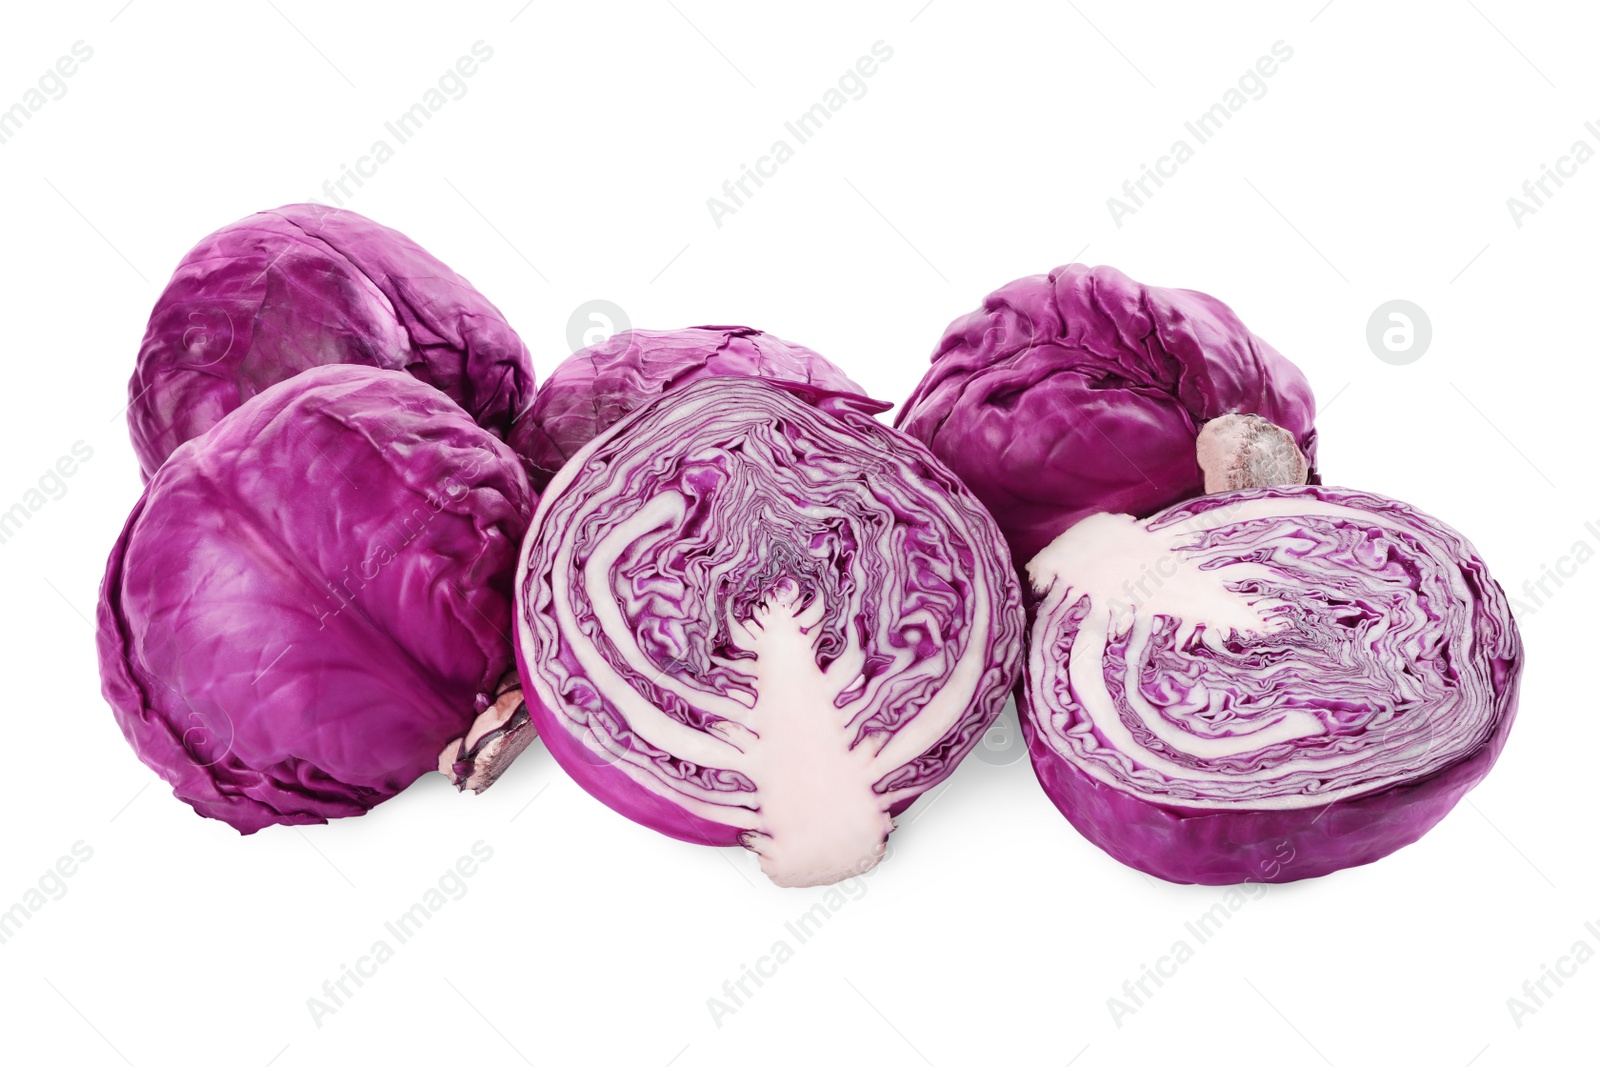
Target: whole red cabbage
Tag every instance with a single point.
(271, 295)
(1081, 391)
(596, 386)
(311, 598)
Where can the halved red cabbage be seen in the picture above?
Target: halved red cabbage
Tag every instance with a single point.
(749, 613)
(1265, 684)
(271, 295)
(596, 386)
(312, 597)
(1082, 391)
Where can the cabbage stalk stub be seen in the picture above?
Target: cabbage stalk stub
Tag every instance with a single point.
(276, 293)
(1266, 684)
(596, 386)
(751, 614)
(312, 597)
(1081, 391)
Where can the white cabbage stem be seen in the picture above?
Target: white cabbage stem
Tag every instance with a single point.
(1248, 452)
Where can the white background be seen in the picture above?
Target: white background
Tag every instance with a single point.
(577, 166)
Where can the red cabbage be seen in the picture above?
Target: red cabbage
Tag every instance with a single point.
(1081, 391)
(271, 295)
(1266, 684)
(749, 613)
(312, 597)
(596, 386)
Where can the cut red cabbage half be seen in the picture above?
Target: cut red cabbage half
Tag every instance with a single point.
(312, 597)
(1266, 684)
(1081, 391)
(271, 295)
(596, 386)
(749, 613)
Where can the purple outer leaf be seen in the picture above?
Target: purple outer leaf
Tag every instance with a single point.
(750, 613)
(1081, 391)
(596, 386)
(271, 295)
(312, 597)
(1265, 684)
